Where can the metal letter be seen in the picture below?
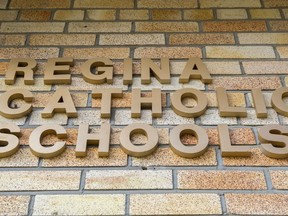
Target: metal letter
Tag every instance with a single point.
(153, 102)
(188, 151)
(180, 109)
(23, 67)
(139, 150)
(9, 96)
(148, 66)
(9, 142)
(277, 101)
(47, 151)
(259, 103)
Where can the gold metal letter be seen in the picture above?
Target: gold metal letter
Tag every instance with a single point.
(277, 101)
(47, 151)
(102, 139)
(224, 109)
(148, 66)
(104, 74)
(195, 69)
(180, 109)
(58, 71)
(106, 96)
(9, 142)
(188, 151)
(153, 102)
(61, 102)
(228, 150)
(21, 66)
(10, 95)
(259, 103)
(274, 140)
(139, 150)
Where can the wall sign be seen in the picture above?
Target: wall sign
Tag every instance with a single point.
(273, 138)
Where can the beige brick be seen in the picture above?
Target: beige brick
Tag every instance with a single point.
(263, 38)
(244, 52)
(265, 14)
(100, 204)
(14, 27)
(167, 27)
(174, 85)
(166, 157)
(123, 117)
(232, 14)
(35, 15)
(101, 14)
(87, 53)
(246, 83)
(126, 100)
(279, 179)
(169, 52)
(166, 4)
(221, 179)
(215, 67)
(196, 14)
(35, 53)
(14, 40)
(78, 84)
(170, 118)
(19, 83)
(8, 15)
(130, 39)
(116, 158)
(257, 159)
(69, 15)
(267, 99)
(91, 117)
(134, 14)
(265, 67)
(28, 4)
(22, 158)
(62, 39)
(229, 3)
(17, 121)
(167, 204)
(275, 3)
(14, 205)
(130, 179)
(39, 180)
(186, 39)
(58, 118)
(256, 204)
(285, 11)
(212, 117)
(104, 4)
(251, 118)
(99, 27)
(279, 25)
(283, 51)
(235, 26)
(3, 4)
(166, 14)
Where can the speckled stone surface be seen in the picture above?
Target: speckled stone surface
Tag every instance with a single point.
(263, 38)
(22, 158)
(225, 14)
(168, 52)
(80, 204)
(123, 117)
(46, 180)
(251, 118)
(265, 13)
(14, 205)
(128, 179)
(283, 51)
(167, 204)
(91, 117)
(256, 204)
(228, 179)
(234, 26)
(101, 14)
(229, 3)
(130, 39)
(68, 159)
(170, 118)
(58, 118)
(212, 117)
(198, 14)
(166, 157)
(266, 67)
(279, 179)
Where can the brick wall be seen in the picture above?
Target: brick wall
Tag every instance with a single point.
(242, 42)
